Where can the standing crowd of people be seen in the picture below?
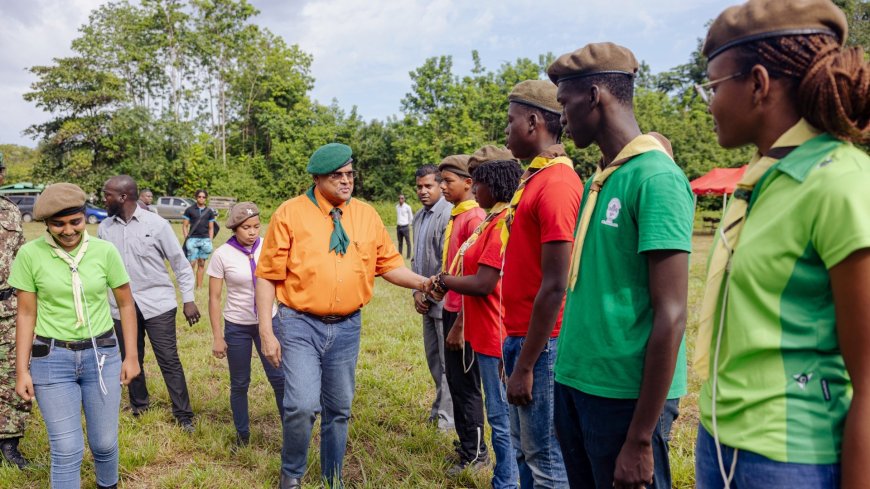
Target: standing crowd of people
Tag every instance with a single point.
(551, 308)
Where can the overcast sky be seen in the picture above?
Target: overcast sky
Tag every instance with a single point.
(364, 49)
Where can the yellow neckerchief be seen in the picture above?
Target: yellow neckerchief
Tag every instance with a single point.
(457, 209)
(728, 236)
(553, 155)
(639, 145)
(456, 264)
(73, 263)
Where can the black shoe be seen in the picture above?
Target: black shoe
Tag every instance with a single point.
(288, 482)
(186, 425)
(139, 411)
(9, 450)
(479, 463)
(242, 439)
(113, 486)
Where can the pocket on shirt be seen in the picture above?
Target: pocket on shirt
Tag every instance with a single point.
(365, 252)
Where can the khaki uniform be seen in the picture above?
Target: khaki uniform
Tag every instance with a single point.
(13, 410)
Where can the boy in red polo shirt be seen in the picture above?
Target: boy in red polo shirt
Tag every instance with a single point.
(463, 381)
(540, 237)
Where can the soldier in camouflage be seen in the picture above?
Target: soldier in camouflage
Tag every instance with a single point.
(13, 410)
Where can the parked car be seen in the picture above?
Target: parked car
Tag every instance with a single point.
(170, 207)
(25, 205)
(94, 214)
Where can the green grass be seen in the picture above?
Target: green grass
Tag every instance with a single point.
(390, 445)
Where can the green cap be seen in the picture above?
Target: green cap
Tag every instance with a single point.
(329, 157)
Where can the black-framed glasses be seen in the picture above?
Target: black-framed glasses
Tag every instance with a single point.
(705, 90)
(338, 175)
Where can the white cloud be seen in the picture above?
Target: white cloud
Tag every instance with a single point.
(364, 49)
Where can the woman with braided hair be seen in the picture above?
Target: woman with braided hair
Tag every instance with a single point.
(783, 337)
(478, 279)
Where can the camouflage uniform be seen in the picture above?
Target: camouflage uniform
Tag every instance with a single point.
(13, 410)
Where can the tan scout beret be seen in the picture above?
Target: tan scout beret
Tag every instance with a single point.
(540, 94)
(593, 59)
(56, 198)
(762, 19)
(491, 153)
(240, 213)
(457, 164)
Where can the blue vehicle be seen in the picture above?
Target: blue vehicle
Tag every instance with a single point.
(94, 214)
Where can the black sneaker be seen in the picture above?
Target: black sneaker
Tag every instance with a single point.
(10, 453)
(479, 463)
(186, 425)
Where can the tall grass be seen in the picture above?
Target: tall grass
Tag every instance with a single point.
(390, 445)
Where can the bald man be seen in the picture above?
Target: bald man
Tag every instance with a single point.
(145, 240)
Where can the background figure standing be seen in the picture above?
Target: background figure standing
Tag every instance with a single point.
(146, 197)
(198, 231)
(430, 222)
(145, 240)
(404, 215)
(14, 410)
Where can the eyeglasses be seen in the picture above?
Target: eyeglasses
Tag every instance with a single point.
(339, 175)
(706, 90)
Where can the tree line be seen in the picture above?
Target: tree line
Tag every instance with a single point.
(186, 94)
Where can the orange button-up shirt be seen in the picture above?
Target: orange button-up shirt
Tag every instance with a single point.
(310, 278)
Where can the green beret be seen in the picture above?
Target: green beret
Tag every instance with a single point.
(329, 157)
(593, 59)
(539, 94)
(56, 198)
(763, 19)
(240, 213)
(491, 153)
(457, 164)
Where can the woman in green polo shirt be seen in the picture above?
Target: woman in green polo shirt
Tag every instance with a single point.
(72, 361)
(783, 340)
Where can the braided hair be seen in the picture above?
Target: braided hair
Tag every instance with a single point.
(831, 84)
(501, 176)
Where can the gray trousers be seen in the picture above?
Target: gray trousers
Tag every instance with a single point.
(433, 344)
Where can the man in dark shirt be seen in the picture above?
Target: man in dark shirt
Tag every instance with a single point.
(198, 231)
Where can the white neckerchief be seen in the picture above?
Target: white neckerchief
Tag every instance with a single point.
(73, 262)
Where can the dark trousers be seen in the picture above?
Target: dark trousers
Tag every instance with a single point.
(404, 233)
(591, 431)
(467, 397)
(161, 331)
(241, 339)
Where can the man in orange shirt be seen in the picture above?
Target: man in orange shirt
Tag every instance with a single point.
(320, 257)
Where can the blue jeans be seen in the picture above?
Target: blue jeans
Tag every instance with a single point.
(319, 364)
(532, 432)
(65, 382)
(592, 431)
(754, 470)
(240, 338)
(505, 473)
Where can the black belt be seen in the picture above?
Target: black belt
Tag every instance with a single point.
(330, 319)
(6, 293)
(104, 339)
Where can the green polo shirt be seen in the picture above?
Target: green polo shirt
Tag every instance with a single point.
(783, 390)
(37, 269)
(643, 206)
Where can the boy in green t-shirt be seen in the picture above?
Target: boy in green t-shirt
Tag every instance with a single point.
(625, 312)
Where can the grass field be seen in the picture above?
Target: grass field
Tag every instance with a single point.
(390, 445)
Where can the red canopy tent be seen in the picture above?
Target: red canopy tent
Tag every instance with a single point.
(718, 181)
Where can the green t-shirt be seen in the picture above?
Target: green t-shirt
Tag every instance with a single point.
(643, 206)
(37, 269)
(783, 390)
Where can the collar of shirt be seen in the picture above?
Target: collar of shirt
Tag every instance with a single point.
(437, 206)
(325, 206)
(137, 214)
